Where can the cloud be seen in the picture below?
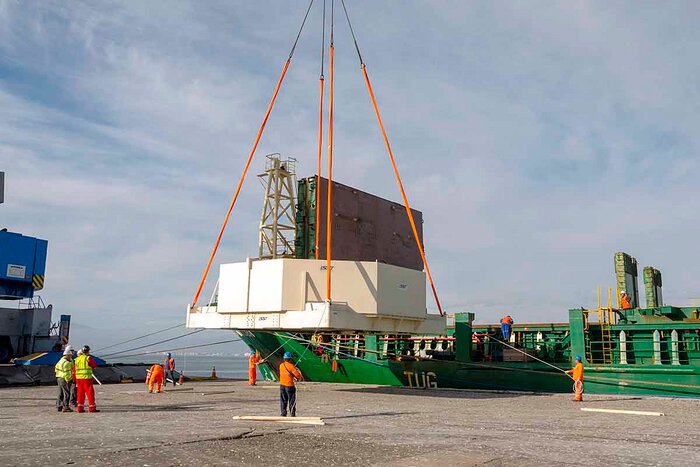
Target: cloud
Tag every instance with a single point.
(537, 140)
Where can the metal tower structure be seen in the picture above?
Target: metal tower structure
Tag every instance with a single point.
(277, 222)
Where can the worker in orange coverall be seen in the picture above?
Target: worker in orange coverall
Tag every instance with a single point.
(577, 375)
(156, 377)
(253, 362)
(624, 301)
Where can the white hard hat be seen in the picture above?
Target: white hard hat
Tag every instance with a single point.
(69, 348)
(623, 292)
(80, 351)
(67, 351)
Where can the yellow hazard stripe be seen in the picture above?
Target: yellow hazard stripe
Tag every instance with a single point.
(38, 281)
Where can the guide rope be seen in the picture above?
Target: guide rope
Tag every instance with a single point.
(600, 380)
(331, 349)
(250, 158)
(530, 356)
(301, 339)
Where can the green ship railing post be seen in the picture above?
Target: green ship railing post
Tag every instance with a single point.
(463, 336)
(371, 345)
(577, 338)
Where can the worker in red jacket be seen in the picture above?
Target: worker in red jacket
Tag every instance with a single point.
(169, 366)
(84, 364)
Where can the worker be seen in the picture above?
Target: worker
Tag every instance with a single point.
(577, 375)
(506, 323)
(288, 391)
(84, 364)
(73, 389)
(253, 361)
(624, 301)
(169, 366)
(64, 375)
(155, 378)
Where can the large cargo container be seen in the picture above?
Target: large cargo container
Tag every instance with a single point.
(365, 227)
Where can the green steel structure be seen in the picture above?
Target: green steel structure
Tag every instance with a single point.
(652, 351)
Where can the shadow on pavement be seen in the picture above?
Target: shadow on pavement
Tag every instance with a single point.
(380, 414)
(448, 393)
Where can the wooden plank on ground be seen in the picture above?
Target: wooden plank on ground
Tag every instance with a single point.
(294, 420)
(626, 412)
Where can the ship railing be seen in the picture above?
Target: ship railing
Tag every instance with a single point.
(55, 329)
(669, 348)
(31, 303)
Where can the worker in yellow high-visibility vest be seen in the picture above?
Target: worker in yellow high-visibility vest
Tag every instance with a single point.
(83, 380)
(64, 375)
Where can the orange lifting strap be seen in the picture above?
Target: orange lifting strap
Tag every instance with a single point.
(403, 192)
(318, 169)
(393, 163)
(329, 205)
(329, 210)
(320, 134)
(250, 158)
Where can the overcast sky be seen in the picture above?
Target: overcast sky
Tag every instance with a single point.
(538, 138)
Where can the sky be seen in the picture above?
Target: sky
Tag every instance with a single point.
(537, 138)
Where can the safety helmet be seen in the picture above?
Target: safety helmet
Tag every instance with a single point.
(622, 292)
(578, 359)
(168, 354)
(287, 355)
(69, 348)
(86, 348)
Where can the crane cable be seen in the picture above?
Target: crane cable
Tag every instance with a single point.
(138, 338)
(320, 134)
(182, 348)
(110, 355)
(250, 159)
(393, 163)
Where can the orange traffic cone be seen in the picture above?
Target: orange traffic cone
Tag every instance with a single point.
(578, 391)
(213, 372)
(334, 366)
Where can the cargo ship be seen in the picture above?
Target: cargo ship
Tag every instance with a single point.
(340, 281)
(377, 330)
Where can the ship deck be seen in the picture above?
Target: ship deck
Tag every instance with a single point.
(366, 425)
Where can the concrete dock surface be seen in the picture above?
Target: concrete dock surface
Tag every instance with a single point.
(365, 425)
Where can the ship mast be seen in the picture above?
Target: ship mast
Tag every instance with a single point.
(277, 221)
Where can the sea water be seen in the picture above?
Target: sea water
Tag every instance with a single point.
(197, 365)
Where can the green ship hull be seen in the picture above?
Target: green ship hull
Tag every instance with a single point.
(642, 352)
